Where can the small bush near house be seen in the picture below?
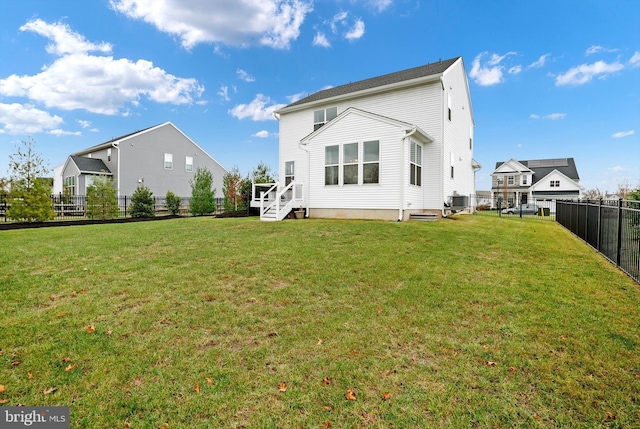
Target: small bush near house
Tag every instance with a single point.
(202, 195)
(101, 199)
(173, 203)
(142, 202)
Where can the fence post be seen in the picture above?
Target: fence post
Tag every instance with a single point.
(599, 224)
(619, 235)
(586, 220)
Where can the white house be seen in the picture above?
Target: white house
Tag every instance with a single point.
(382, 148)
(548, 180)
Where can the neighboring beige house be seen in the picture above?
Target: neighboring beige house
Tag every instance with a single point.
(161, 157)
(520, 182)
(382, 148)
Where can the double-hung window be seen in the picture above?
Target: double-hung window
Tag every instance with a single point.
(350, 164)
(289, 172)
(371, 162)
(70, 185)
(322, 116)
(510, 180)
(415, 164)
(188, 163)
(331, 164)
(168, 161)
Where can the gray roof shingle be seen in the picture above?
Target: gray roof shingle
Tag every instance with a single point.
(542, 167)
(90, 165)
(387, 79)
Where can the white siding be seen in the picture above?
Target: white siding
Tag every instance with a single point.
(351, 129)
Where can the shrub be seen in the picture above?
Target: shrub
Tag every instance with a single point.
(142, 202)
(202, 195)
(173, 203)
(101, 199)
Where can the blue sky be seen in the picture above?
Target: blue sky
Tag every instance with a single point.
(548, 79)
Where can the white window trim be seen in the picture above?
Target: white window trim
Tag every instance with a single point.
(187, 164)
(324, 117)
(341, 164)
(418, 165)
(168, 160)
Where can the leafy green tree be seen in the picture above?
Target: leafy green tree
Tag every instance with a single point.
(142, 202)
(202, 193)
(30, 189)
(102, 202)
(173, 203)
(232, 184)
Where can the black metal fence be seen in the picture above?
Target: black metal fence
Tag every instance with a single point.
(75, 207)
(610, 227)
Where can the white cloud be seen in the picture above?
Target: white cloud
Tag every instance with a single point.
(64, 40)
(321, 40)
(84, 124)
(550, 116)
(540, 62)
(243, 75)
(58, 132)
(381, 5)
(593, 49)
(295, 97)
(617, 169)
(635, 59)
(338, 18)
(260, 109)
(487, 76)
(621, 134)
(224, 93)
(584, 73)
(515, 69)
(26, 119)
(261, 134)
(497, 59)
(356, 32)
(274, 23)
(99, 84)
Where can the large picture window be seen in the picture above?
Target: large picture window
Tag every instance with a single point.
(331, 164)
(415, 164)
(322, 116)
(371, 162)
(70, 185)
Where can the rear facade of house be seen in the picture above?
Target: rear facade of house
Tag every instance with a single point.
(382, 148)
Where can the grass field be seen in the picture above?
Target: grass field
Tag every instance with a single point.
(201, 323)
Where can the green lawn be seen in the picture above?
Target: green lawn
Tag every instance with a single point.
(203, 322)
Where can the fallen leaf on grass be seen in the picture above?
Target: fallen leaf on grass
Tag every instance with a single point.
(67, 359)
(489, 363)
(610, 416)
(52, 298)
(327, 408)
(50, 390)
(326, 381)
(83, 291)
(282, 387)
(197, 388)
(3, 401)
(537, 417)
(70, 367)
(74, 294)
(29, 375)
(562, 337)
(109, 331)
(319, 341)
(350, 395)
(379, 310)
(91, 329)
(386, 396)
(327, 424)
(485, 348)
(62, 314)
(512, 369)
(15, 363)
(2, 389)
(210, 381)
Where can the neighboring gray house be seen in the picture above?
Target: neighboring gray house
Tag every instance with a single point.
(162, 157)
(515, 182)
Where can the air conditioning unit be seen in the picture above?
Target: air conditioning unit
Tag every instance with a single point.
(458, 202)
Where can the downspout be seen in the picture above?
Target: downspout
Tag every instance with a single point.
(306, 190)
(115, 146)
(405, 139)
(442, 137)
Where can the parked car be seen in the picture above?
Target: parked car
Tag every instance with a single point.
(526, 209)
